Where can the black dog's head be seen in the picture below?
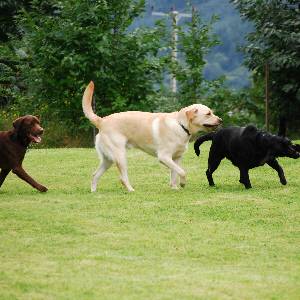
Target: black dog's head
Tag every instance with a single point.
(296, 147)
(283, 130)
(283, 147)
(27, 129)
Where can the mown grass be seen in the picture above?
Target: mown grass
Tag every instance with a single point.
(156, 243)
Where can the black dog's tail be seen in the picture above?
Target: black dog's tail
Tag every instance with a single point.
(200, 140)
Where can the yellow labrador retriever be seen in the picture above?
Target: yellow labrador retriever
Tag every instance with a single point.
(164, 135)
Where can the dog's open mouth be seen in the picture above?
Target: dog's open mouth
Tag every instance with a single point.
(35, 138)
(296, 147)
(210, 125)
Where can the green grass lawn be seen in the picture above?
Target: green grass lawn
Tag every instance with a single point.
(156, 243)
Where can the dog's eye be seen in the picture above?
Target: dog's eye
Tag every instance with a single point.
(209, 113)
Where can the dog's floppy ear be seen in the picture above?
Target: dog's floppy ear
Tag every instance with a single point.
(17, 123)
(190, 114)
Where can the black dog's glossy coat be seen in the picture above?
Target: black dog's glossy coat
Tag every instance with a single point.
(247, 148)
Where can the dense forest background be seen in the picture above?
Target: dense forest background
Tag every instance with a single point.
(50, 50)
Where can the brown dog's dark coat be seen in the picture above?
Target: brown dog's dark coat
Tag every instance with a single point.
(13, 145)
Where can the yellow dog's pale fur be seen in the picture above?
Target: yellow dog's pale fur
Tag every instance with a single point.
(159, 134)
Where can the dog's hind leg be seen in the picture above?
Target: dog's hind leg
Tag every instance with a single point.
(275, 165)
(3, 174)
(212, 166)
(105, 164)
(121, 163)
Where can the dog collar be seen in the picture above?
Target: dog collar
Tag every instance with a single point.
(185, 129)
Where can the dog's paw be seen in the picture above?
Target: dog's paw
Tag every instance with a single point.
(173, 186)
(42, 189)
(182, 181)
(93, 188)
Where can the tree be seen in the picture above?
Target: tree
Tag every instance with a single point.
(88, 40)
(8, 11)
(276, 41)
(8, 65)
(10, 73)
(196, 41)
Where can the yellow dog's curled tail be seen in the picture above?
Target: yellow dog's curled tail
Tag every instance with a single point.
(87, 105)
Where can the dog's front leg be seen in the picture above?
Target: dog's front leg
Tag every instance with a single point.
(244, 178)
(20, 172)
(3, 174)
(275, 165)
(173, 176)
(175, 168)
(173, 179)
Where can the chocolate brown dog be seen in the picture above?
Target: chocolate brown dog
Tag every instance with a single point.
(13, 146)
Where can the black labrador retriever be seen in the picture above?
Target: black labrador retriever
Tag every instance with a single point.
(247, 148)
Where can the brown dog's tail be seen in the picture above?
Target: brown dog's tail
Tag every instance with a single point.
(87, 105)
(201, 139)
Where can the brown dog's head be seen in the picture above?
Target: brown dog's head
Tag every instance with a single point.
(28, 129)
(201, 118)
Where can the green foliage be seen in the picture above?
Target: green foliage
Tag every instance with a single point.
(61, 45)
(196, 41)
(10, 75)
(8, 10)
(224, 59)
(11, 53)
(276, 41)
(165, 101)
(237, 107)
(6, 74)
(83, 41)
